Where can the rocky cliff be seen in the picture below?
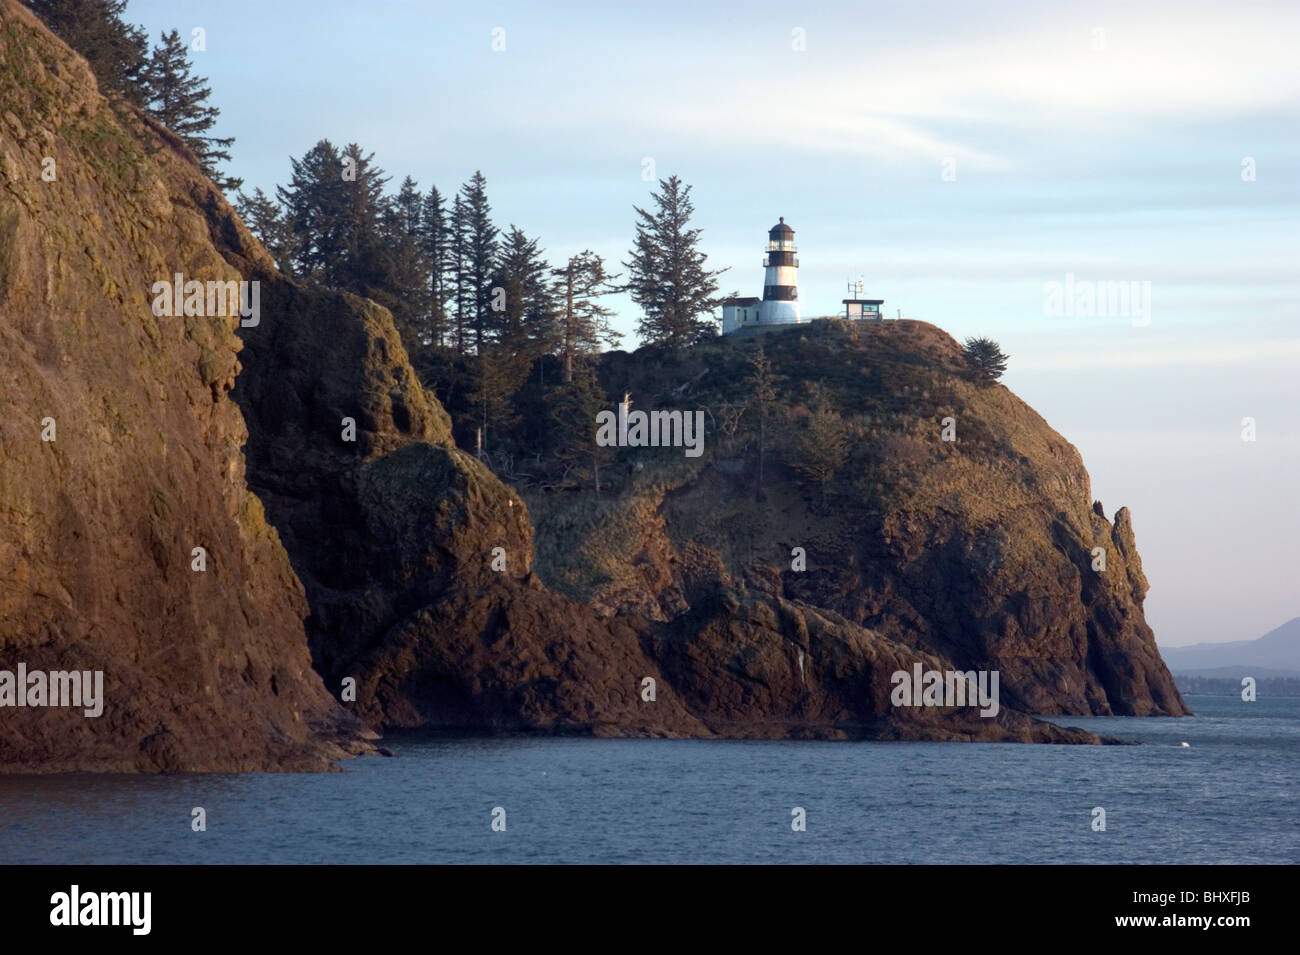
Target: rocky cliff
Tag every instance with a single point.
(120, 454)
(985, 549)
(419, 567)
(665, 607)
(417, 563)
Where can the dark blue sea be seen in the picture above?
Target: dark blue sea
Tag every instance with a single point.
(1229, 797)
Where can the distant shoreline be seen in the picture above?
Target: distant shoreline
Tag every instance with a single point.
(1231, 686)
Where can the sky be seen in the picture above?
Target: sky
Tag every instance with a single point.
(959, 159)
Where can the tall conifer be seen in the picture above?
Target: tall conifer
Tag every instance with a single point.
(266, 220)
(313, 202)
(582, 322)
(435, 241)
(116, 51)
(478, 249)
(179, 101)
(667, 276)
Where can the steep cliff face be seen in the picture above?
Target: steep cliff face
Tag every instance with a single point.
(120, 454)
(417, 563)
(980, 549)
(671, 610)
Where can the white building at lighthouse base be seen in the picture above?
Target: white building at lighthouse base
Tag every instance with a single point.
(738, 313)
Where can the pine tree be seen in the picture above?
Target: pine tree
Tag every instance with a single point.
(518, 316)
(362, 212)
(338, 212)
(667, 276)
(525, 324)
(178, 101)
(985, 360)
(572, 408)
(822, 441)
(313, 203)
(408, 207)
(435, 241)
(405, 281)
(761, 385)
(478, 250)
(266, 220)
(583, 322)
(116, 51)
(495, 384)
(462, 287)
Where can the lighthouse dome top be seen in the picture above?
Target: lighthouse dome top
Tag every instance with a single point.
(780, 229)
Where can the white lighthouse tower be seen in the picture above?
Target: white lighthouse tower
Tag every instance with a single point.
(780, 302)
(780, 286)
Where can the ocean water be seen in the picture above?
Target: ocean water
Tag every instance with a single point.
(1229, 797)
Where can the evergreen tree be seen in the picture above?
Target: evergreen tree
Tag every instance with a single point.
(572, 408)
(364, 268)
(340, 219)
(179, 101)
(435, 241)
(985, 360)
(116, 51)
(266, 220)
(519, 314)
(667, 275)
(408, 207)
(583, 323)
(462, 288)
(761, 385)
(313, 203)
(495, 383)
(822, 441)
(525, 324)
(478, 252)
(405, 286)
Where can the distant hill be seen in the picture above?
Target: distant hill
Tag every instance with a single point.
(1277, 653)
(1240, 670)
(1265, 686)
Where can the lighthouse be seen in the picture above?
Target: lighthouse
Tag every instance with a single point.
(780, 287)
(780, 302)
